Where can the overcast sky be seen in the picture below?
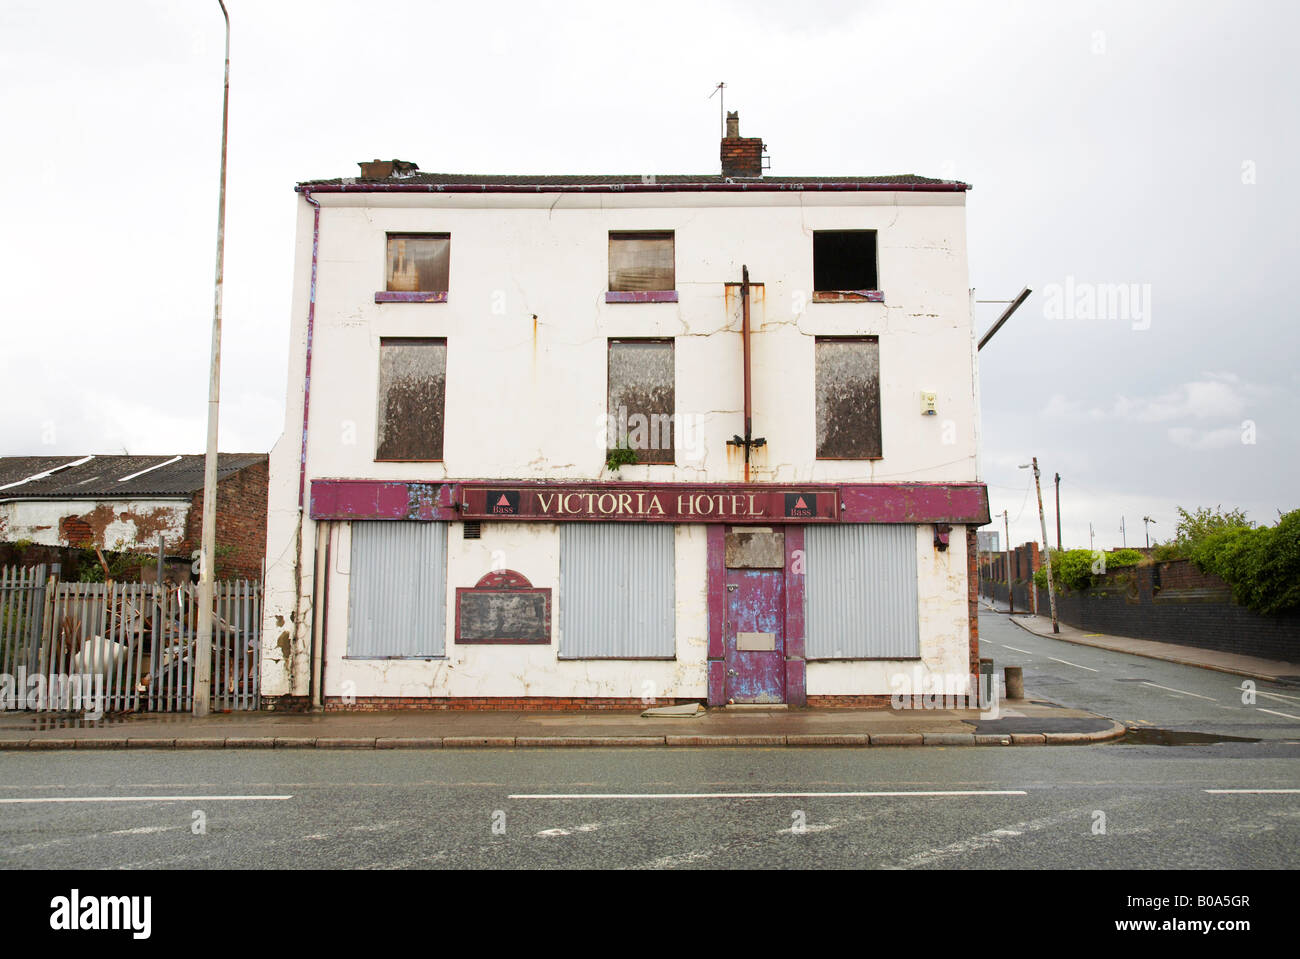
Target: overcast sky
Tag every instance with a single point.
(1147, 144)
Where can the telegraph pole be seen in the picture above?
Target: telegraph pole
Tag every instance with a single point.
(1042, 520)
(1058, 512)
(207, 547)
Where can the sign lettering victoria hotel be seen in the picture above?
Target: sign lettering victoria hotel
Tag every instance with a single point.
(668, 503)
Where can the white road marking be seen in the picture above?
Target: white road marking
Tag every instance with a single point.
(1273, 712)
(41, 799)
(1260, 692)
(1016, 648)
(1075, 665)
(826, 795)
(1239, 792)
(1180, 691)
(987, 840)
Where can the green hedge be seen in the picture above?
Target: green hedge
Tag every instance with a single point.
(1261, 565)
(1073, 568)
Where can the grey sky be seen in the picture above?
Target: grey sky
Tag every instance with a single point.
(1106, 144)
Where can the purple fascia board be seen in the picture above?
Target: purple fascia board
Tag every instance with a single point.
(396, 296)
(380, 499)
(966, 503)
(641, 296)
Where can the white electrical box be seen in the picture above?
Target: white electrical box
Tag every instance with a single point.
(928, 404)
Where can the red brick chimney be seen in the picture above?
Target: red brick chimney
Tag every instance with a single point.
(741, 156)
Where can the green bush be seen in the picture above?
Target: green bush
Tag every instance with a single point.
(1261, 565)
(1078, 568)
(1195, 527)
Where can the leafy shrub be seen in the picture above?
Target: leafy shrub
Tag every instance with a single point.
(1078, 568)
(1261, 565)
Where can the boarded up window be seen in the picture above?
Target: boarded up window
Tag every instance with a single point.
(412, 393)
(848, 398)
(642, 398)
(418, 263)
(641, 262)
(860, 592)
(397, 590)
(617, 595)
(844, 260)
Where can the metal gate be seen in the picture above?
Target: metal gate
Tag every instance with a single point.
(122, 647)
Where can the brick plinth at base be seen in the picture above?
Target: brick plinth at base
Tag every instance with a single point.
(850, 702)
(375, 703)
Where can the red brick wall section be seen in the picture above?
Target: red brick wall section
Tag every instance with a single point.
(742, 156)
(1183, 574)
(241, 523)
(849, 702)
(529, 703)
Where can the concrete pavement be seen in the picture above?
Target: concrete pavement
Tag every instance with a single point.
(1028, 722)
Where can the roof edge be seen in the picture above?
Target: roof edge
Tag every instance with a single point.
(744, 186)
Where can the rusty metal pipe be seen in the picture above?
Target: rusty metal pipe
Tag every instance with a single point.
(744, 328)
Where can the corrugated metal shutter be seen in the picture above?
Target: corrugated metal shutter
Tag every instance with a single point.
(617, 597)
(398, 593)
(860, 592)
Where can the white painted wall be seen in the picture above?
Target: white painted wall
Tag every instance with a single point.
(38, 521)
(508, 670)
(527, 327)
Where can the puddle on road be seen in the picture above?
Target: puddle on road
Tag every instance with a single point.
(1152, 736)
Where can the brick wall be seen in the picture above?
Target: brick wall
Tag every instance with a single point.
(241, 523)
(742, 156)
(1176, 603)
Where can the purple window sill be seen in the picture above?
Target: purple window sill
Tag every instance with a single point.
(394, 296)
(641, 296)
(848, 296)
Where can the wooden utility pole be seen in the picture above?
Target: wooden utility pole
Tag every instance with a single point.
(1006, 528)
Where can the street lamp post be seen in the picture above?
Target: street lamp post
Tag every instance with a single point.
(1047, 550)
(207, 546)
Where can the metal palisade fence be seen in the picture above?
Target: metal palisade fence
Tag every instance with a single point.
(125, 647)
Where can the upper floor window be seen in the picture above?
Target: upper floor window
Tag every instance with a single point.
(642, 397)
(848, 398)
(844, 266)
(412, 398)
(641, 268)
(418, 268)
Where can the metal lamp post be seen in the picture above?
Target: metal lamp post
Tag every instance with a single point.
(207, 546)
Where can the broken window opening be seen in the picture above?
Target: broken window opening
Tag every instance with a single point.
(642, 399)
(844, 260)
(641, 262)
(418, 263)
(412, 398)
(848, 398)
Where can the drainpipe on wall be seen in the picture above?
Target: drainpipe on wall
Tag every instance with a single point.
(306, 409)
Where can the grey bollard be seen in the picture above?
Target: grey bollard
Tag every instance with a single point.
(1015, 677)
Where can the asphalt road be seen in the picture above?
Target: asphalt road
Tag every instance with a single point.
(1138, 691)
(1225, 805)
(1018, 807)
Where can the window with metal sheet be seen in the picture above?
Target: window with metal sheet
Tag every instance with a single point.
(844, 260)
(617, 596)
(642, 398)
(397, 590)
(848, 398)
(860, 592)
(412, 395)
(641, 262)
(418, 262)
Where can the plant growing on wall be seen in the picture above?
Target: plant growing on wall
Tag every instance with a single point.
(1080, 568)
(618, 457)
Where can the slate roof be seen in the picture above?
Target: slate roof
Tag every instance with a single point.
(487, 182)
(103, 477)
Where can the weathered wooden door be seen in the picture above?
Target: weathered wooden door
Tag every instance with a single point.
(755, 636)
